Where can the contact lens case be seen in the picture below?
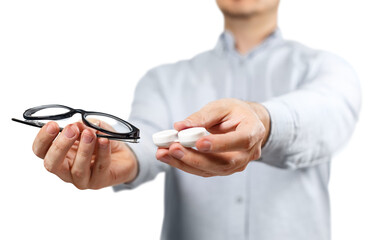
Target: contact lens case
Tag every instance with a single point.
(187, 137)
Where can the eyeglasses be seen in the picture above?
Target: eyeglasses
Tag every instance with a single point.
(114, 127)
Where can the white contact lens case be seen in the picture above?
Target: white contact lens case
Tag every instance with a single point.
(165, 138)
(187, 137)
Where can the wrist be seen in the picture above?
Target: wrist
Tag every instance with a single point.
(264, 116)
(133, 166)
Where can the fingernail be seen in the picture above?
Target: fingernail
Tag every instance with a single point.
(87, 138)
(205, 146)
(165, 159)
(178, 154)
(51, 129)
(70, 132)
(187, 122)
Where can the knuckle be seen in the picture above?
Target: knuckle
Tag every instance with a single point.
(194, 162)
(241, 169)
(262, 131)
(94, 186)
(257, 154)
(230, 164)
(191, 118)
(48, 165)
(247, 141)
(229, 167)
(58, 147)
(100, 167)
(79, 186)
(77, 174)
(83, 154)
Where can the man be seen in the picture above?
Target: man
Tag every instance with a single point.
(277, 111)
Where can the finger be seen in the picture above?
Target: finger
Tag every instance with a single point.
(227, 125)
(210, 115)
(182, 166)
(44, 139)
(100, 124)
(81, 171)
(162, 154)
(219, 164)
(102, 162)
(238, 140)
(59, 148)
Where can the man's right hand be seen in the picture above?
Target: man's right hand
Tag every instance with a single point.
(77, 156)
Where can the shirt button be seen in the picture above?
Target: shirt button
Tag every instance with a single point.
(239, 200)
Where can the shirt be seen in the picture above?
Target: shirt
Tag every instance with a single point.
(313, 98)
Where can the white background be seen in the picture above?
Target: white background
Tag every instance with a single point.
(90, 55)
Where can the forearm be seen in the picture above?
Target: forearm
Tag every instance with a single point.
(307, 128)
(310, 124)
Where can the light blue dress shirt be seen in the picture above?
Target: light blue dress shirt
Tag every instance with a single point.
(313, 98)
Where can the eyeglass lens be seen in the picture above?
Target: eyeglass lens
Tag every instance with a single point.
(102, 121)
(50, 111)
(53, 111)
(107, 123)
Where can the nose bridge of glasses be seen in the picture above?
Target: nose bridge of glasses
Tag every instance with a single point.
(81, 111)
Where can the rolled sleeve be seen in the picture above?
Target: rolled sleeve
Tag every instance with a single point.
(282, 131)
(309, 125)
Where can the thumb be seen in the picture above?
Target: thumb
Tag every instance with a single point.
(210, 115)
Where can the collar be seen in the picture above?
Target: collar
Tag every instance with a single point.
(226, 43)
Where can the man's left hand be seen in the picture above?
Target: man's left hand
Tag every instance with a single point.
(238, 130)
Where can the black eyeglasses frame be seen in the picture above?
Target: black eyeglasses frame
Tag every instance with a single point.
(132, 136)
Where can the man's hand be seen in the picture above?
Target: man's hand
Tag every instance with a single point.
(77, 156)
(238, 131)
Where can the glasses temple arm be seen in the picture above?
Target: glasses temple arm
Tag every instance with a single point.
(38, 124)
(33, 123)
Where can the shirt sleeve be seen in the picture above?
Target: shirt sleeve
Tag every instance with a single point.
(310, 124)
(150, 113)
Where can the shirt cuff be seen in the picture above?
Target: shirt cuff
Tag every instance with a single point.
(282, 132)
